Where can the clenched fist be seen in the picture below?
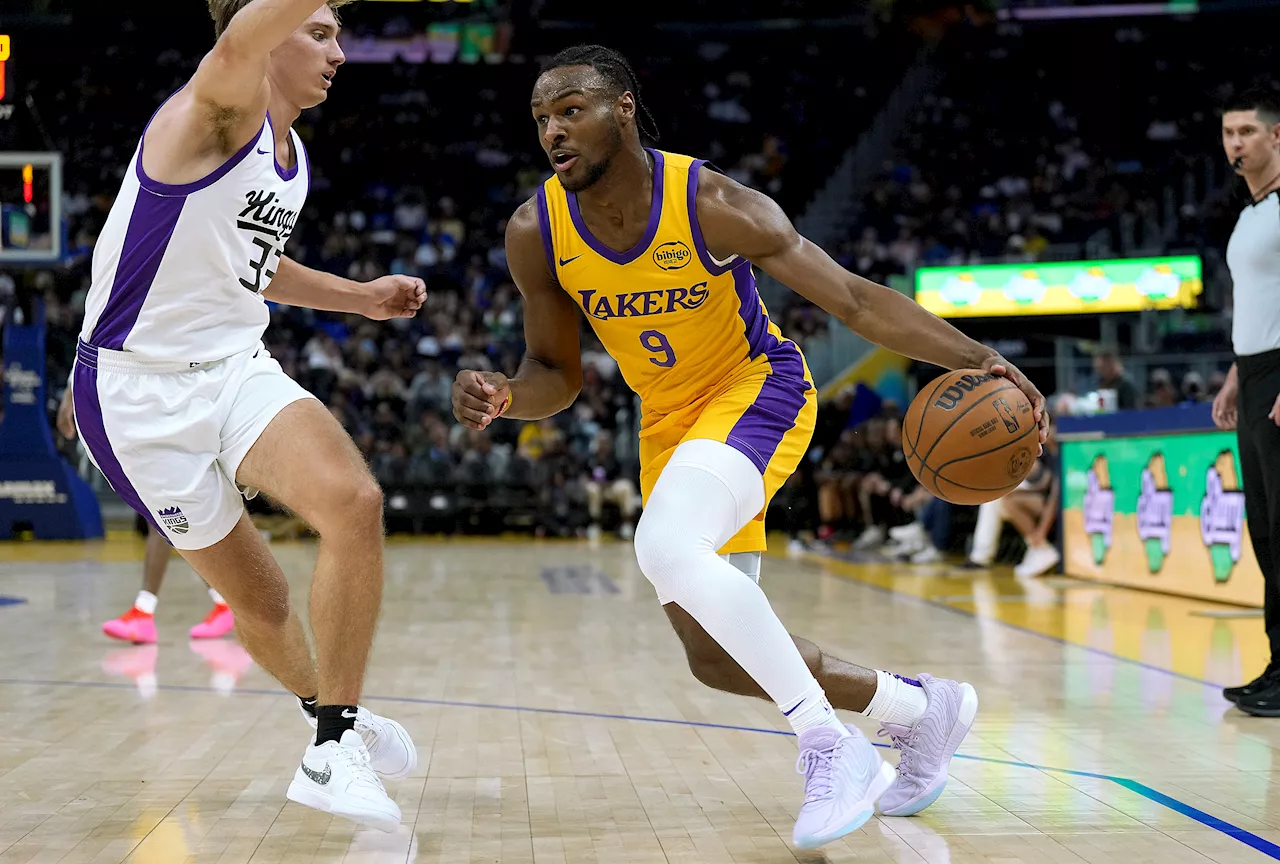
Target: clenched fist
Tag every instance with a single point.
(394, 296)
(479, 397)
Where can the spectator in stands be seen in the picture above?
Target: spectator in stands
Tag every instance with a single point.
(1193, 387)
(1111, 376)
(1162, 392)
(886, 473)
(1032, 509)
(837, 478)
(607, 482)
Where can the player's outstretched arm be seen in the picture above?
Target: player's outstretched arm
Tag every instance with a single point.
(736, 220)
(550, 375)
(233, 75)
(225, 102)
(392, 296)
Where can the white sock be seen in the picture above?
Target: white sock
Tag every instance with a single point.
(146, 602)
(707, 492)
(898, 700)
(811, 711)
(217, 598)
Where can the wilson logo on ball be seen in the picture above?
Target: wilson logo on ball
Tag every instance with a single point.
(950, 398)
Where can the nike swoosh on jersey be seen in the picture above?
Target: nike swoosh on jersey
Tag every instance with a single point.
(564, 261)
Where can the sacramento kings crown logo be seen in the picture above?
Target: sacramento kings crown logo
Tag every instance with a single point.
(173, 519)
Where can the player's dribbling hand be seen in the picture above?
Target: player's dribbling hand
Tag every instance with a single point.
(478, 397)
(395, 296)
(997, 365)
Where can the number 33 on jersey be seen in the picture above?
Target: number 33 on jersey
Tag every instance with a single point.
(681, 324)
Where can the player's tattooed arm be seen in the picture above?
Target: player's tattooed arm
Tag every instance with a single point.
(737, 220)
(550, 375)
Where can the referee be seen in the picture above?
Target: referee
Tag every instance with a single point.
(1250, 399)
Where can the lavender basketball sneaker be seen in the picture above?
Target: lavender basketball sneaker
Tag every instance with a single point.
(928, 745)
(843, 777)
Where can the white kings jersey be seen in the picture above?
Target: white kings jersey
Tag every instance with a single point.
(179, 270)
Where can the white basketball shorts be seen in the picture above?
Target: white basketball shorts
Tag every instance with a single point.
(169, 436)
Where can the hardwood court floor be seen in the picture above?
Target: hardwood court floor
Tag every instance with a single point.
(557, 722)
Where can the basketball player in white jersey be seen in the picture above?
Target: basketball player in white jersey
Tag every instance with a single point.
(182, 408)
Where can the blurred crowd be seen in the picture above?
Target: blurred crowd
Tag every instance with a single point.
(416, 169)
(1015, 156)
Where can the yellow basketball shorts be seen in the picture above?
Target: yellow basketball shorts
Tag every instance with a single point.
(768, 416)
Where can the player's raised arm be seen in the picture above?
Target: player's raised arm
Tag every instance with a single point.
(233, 75)
(550, 375)
(737, 220)
(225, 102)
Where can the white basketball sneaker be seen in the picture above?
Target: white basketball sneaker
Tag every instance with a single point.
(391, 750)
(843, 778)
(928, 745)
(336, 778)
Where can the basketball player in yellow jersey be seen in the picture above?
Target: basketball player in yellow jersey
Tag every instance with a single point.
(656, 249)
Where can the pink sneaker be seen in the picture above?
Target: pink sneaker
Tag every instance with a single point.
(133, 626)
(219, 622)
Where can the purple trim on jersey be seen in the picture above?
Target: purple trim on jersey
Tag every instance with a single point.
(544, 226)
(782, 397)
(304, 155)
(94, 435)
(650, 231)
(204, 182)
(704, 255)
(283, 173)
(146, 238)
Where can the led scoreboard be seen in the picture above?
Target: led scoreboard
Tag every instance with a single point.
(4, 61)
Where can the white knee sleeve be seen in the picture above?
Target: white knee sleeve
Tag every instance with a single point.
(705, 495)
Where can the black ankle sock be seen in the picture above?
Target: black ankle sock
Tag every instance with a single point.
(309, 705)
(332, 721)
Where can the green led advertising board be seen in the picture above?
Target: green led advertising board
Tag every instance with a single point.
(1060, 287)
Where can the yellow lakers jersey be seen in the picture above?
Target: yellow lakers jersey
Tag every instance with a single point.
(682, 325)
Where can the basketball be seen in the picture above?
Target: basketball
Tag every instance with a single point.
(970, 436)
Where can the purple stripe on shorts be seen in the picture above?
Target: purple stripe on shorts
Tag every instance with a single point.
(146, 238)
(762, 427)
(650, 231)
(94, 435)
(544, 225)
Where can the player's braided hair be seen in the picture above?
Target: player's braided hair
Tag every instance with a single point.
(616, 70)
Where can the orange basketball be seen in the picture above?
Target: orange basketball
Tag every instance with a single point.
(970, 437)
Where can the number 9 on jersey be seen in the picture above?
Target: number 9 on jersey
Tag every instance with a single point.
(656, 343)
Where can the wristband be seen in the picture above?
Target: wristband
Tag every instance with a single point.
(506, 403)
